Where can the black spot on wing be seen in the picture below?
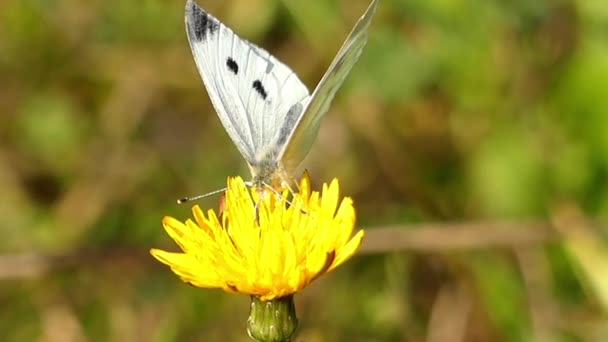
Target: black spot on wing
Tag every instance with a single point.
(232, 66)
(200, 24)
(259, 88)
(289, 124)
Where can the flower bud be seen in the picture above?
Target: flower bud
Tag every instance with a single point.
(272, 321)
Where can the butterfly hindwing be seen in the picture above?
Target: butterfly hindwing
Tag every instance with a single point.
(251, 91)
(300, 138)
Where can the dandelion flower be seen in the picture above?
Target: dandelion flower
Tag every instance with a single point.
(264, 245)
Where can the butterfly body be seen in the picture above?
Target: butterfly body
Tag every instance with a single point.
(269, 172)
(266, 110)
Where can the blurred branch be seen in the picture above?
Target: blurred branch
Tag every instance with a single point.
(450, 314)
(457, 236)
(37, 264)
(588, 252)
(422, 237)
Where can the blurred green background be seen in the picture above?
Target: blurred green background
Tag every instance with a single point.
(489, 113)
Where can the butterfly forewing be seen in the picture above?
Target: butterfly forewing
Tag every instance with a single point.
(301, 135)
(251, 90)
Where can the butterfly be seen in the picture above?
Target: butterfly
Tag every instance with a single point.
(264, 107)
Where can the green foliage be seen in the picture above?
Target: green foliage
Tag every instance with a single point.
(457, 111)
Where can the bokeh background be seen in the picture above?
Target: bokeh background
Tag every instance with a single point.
(473, 136)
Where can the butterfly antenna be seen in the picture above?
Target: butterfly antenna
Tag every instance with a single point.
(190, 199)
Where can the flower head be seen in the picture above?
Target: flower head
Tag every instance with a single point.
(264, 245)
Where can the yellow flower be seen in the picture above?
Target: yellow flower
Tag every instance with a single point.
(264, 245)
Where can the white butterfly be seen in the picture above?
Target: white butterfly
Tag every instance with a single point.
(266, 110)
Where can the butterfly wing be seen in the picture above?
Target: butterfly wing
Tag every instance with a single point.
(298, 141)
(251, 90)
